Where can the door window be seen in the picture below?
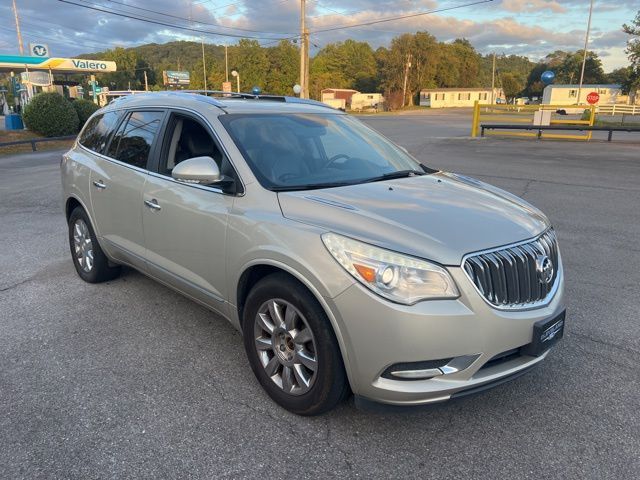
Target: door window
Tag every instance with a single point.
(132, 142)
(188, 138)
(96, 133)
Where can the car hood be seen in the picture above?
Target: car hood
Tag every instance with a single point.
(440, 217)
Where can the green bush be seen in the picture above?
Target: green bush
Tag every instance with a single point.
(85, 109)
(51, 115)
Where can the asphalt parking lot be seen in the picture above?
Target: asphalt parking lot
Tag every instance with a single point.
(130, 380)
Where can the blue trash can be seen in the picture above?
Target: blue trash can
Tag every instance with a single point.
(13, 121)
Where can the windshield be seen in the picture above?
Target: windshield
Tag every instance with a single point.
(299, 151)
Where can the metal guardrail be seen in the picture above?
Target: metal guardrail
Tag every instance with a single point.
(579, 128)
(34, 141)
(524, 115)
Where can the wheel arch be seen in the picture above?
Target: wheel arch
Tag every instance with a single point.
(259, 269)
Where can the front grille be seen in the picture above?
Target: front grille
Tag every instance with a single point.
(514, 276)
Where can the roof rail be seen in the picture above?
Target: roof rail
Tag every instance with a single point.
(253, 96)
(307, 101)
(207, 96)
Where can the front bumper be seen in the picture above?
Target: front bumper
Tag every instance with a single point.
(378, 334)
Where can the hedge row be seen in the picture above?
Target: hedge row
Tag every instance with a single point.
(52, 115)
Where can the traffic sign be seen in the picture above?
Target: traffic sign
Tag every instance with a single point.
(593, 98)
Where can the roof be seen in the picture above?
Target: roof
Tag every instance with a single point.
(457, 89)
(339, 90)
(590, 85)
(238, 103)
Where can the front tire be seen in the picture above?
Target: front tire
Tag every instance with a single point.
(90, 261)
(291, 346)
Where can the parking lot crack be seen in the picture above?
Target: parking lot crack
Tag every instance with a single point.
(337, 447)
(278, 420)
(15, 285)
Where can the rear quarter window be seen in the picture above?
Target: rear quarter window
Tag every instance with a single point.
(98, 130)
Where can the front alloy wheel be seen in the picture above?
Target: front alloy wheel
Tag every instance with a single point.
(291, 346)
(285, 346)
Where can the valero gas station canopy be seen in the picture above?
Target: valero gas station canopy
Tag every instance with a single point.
(10, 63)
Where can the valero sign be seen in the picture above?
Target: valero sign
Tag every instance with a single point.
(69, 65)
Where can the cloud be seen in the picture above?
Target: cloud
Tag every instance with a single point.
(530, 6)
(526, 27)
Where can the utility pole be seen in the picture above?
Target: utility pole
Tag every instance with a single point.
(304, 52)
(226, 63)
(584, 57)
(146, 83)
(407, 66)
(204, 66)
(493, 79)
(15, 14)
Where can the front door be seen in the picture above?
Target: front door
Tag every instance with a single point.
(117, 185)
(185, 226)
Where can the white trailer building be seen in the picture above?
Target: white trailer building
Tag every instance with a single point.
(568, 94)
(458, 97)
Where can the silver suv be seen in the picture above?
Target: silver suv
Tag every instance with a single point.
(348, 265)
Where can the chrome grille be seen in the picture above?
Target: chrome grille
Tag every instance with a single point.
(512, 276)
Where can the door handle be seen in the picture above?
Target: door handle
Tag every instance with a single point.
(152, 204)
(99, 184)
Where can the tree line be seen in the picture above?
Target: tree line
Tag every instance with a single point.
(426, 62)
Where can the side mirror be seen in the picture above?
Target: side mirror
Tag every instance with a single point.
(198, 170)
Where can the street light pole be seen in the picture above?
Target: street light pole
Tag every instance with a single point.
(584, 57)
(234, 73)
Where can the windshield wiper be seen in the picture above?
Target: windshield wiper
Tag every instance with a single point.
(310, 186)
(397, 174)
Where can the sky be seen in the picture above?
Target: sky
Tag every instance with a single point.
(525, 27)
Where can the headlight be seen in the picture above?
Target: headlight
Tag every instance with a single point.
(398, 277)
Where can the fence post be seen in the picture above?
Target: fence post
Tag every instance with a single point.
(476, 118)
(613, 110)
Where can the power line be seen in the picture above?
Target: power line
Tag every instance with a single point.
(187, 19)
(165, 24)
(383, 20)
(401, 17)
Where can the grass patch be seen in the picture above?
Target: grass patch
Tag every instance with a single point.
(605, 123)
(18, 135)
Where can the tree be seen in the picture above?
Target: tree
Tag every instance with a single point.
(620, 76)
(251, 62)
(125, 77)
(512, 85)
(284, 68)
(633, 50)
(348, 64)
(567, 67)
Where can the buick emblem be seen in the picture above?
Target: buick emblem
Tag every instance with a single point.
(544, 269)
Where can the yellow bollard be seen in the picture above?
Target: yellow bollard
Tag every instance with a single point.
(592, 119)
(475, 123)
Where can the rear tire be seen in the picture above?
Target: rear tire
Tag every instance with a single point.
(90, 261)
(291, 346)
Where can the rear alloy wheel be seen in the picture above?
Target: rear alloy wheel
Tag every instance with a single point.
(90, 261)
(291, 346)
(82, 245)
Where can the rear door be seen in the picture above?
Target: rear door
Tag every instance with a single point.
(118, 182)
(185, 225)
